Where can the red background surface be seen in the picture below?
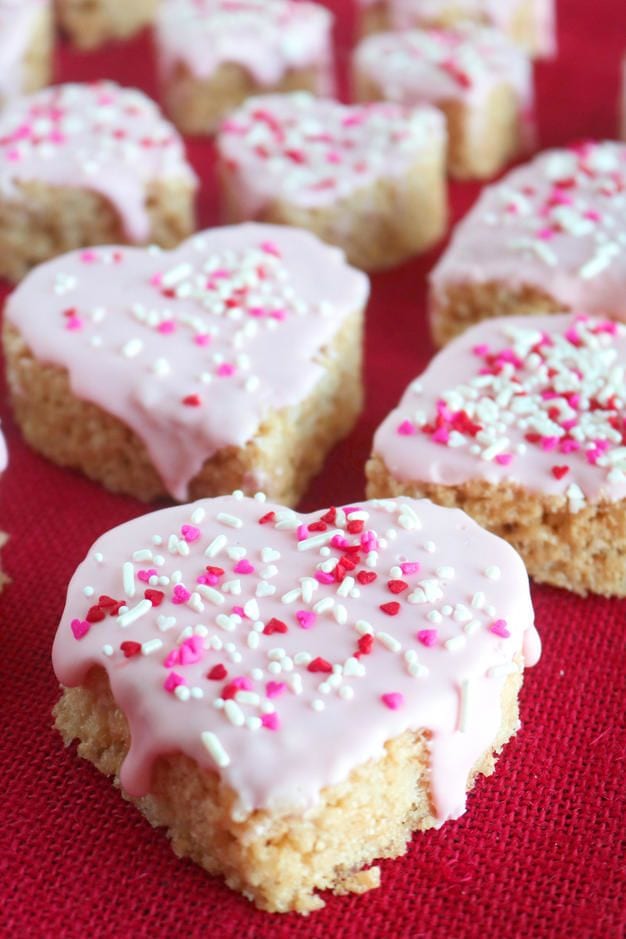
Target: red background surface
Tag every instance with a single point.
(539, 852)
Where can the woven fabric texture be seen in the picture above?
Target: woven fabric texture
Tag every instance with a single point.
(539, 852)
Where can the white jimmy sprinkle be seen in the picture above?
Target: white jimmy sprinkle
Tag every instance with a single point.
(233, 521)
(213, 744)
(134, 613)
(152, 645)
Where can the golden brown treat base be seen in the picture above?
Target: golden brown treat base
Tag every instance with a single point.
(198, 105)
(461, 305)
(3, 577)
(479, 143)
(287, 450)
(45, 221)
(377, 226)
(584, 552)
(36, 66)
(278, 861)
(90, 23)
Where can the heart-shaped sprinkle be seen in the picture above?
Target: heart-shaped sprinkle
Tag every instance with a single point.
(306, 619)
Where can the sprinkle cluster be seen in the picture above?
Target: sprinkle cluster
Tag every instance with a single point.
(312, 149)
(258, 636)
(561, 390)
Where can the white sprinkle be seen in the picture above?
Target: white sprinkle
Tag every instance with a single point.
(345, 587)
(364, 628)
(152, 645)
(341, 614)
(316, 541)
(231, 520)
(227, 623)
(145, 554)
(232, 586)
(264, 589)
(303, 658)
(132, 348)
(493, 572)
(390, 642)
(346, 692)
(478, 600)
(456, 643)
(269, 554)
(128, 578)
(98, 557)
(196, 693)
(445, 573)
(107, 649)
(248, 697)
(215, 748)
(251, 609)
(327, 603)
(88, 591)
(291, 596)
(177, 274)
(198, 515)
(210, 594)
(434, 616)
(253, 640)
(182, 692)
(318, 705)
(472, 627)
(143, 607)
(234, 713)
(195, 603)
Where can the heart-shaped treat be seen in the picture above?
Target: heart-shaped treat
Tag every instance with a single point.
(233, 361)
(80, 164)
(521, 422)
(369, 178)
(549, 237)
(299, 692)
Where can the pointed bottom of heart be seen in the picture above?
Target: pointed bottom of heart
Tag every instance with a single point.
(280, 861)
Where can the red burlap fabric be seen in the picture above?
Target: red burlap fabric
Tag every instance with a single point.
(538, 853)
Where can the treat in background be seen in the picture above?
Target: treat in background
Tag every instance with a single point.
(292, 696)
(26, 41)
(548, 237)
(476, 75)
(231, 362)
(89, 164)
(213, 54)
(91, 24)
(521, 423)
(368, 178)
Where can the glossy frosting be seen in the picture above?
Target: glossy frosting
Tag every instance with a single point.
(535, 401)
(18, 22)
(403, 14)
(432, 65)
(557, 224)
(312, 152)
(267, 38)
(100, 137)
(4, 453)
(267, 656)
(191, 348)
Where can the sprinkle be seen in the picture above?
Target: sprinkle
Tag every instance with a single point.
(319, 665)
(152, 645)
(389, 642)
(231, 520)
(213, 744)
(135, 613)
(217, 673)
(493, 572)
(391, 609)
(80, 628)
(306, 619)
(393, 701)
(219, 542)
(499, 628)
(428, 637)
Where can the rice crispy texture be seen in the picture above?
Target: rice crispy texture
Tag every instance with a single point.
(90, 23)
(463, 304)
(198, 105)
(478, 146)
(378, 226)
(288, 449)
(278, 861)
(46, 221)
(584, 551)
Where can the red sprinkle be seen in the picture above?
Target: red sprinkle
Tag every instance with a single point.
(274, 626)
(130, 649)
(217, 673)
(366, 577)
(560, 471)
(366, 644)
(268, 517)
(391, 609)
(154, 596)
(397, 586)
(319, 665)
(95, 614)
(192, 401)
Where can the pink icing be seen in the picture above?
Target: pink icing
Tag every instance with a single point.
(556, 224)
(312, 152)
(339, 690)
(430, 66)
(18, 23)
(225, 283)
(536, 401)
(100, 137)
(267, 38)
(403, 14)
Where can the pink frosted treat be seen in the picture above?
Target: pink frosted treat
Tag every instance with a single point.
(213, 54)
(476, 75)
(233, 361)
(25, 47)
(623, 101)
(549, 237)
(521, 423)
(369, 178)
(292, 696)
(89, 164)
(90, 23)
(529, 23)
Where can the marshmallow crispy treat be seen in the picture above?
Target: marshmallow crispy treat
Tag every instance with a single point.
(213, 54)
(368, 178)
(292, 696)
(231, 362)
(529, 23)
(476, 75)
(89, 164)
(549, 237)
(25, 47)
(521, 423)
(90, 23)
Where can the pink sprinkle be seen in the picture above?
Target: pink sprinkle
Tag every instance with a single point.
(274, 689)
(549, 443)
(279, 315)
(239, 610)
(88, 257)
(410, 567)
(74, 323)
(190, 533)
(481, 349)
(303, 532)
(171, 658)
(13, 156)
(202, 339)
(406, 429)
(503, 459)
(499, 628)
(569, 446)
(156, 279)
(172, 682)
(80, 628)
(166, 327)
(338, 541)
(428, 637)
(191, 650)
(271, 721)
(393, 701)
(305, 618)
(225, 370)
(271, 247)
(242, 683)
(181, 594)
(323, 578)
(145, 576)
(545, 234)
(441, 435)
(243, 567)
